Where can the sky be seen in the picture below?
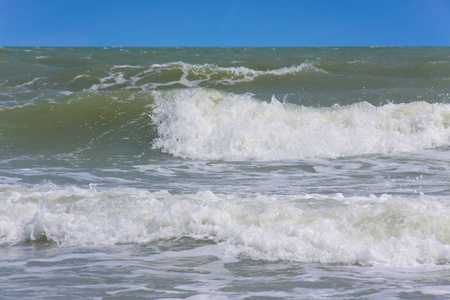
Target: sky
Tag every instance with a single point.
(264, 23)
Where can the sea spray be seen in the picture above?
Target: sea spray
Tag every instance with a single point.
(224, 172)
(210, 124)
(384, 230)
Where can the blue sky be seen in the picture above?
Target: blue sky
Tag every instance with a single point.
(225, 23)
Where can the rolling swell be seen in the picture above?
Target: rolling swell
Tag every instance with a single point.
(211, 124)
(92, 123)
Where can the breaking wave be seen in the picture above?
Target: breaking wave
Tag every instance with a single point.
(213, 125)
(384, 230)
(189, 75)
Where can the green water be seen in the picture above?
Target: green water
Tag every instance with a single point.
(225, 173)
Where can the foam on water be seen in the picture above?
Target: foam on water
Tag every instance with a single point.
(213, 125)
(260, 207)
(385, 230)
(191, 75)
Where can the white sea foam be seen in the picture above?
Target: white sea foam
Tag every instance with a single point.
(192, 75)
(30, 82)
(385, 230)
(213, 125)
(126, 67)
(79, 76)
(223, 75)
(239, 71)
(110, 81)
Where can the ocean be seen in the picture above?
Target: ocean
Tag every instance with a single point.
(225, 173)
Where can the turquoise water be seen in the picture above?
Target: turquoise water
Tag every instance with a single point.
(225, 173)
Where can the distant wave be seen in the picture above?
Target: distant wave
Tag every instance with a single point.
(190, 75)
(213, 125)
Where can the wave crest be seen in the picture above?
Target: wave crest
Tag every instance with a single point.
(213, 125)
(363, 230)
(189, 75)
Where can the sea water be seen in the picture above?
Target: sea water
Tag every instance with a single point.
(225, 173)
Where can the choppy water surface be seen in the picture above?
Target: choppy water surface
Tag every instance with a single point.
(225, 173)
